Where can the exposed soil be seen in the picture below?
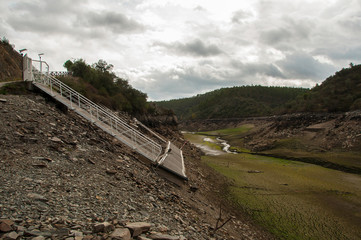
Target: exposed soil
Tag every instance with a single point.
(58, 170)
(313, 133)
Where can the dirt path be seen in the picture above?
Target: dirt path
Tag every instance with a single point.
(4, 83)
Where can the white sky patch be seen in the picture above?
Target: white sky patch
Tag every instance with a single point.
(305, 83)
(323, 59)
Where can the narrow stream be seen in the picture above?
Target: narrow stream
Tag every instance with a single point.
(209, 151)
(225, 145)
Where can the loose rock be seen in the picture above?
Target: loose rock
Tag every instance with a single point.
(138, 228)
(121, 234)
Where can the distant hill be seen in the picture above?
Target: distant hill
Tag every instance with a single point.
(338, 93)
(235, 102)
(10, 62)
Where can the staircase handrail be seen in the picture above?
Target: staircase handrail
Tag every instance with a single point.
(114, 122)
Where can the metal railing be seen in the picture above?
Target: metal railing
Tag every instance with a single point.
(99, 115)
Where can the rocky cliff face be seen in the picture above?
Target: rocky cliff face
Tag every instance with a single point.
(63, 178)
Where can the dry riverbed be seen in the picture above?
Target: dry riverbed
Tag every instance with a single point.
(293, 200)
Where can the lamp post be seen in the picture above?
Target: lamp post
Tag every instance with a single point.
(22, 61)
(40, 54)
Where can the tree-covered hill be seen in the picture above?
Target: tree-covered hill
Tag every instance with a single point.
(235, 102)
(338, 93)
(98, 83)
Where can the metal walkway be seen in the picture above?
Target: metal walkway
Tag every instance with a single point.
(170, 158)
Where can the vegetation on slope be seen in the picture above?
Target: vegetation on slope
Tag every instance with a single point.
(10, 62)
(235, 102)
(98, 83)
(338, 93)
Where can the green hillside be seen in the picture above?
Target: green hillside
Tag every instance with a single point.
(98, 83)
(338, 93)
(235, 102)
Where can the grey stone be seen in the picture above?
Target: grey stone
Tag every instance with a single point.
(5, 227)
(38, 197)
(111, 171)
(38, 238)
(103, 227)
(143, 238)
(160, 236)
(56, 139)
(10, 236)
(138, 228)
(121, 234)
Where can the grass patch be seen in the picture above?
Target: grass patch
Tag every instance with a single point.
(230, 131)
(294, 200)
(348, 159)
(17, 88)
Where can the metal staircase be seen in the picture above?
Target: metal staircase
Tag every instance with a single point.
(103, 118)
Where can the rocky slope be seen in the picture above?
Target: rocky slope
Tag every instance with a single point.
(63, 178)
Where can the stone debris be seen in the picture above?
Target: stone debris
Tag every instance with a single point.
(55, 229)
(121, 234)
(38, 197)
(103, 227)
(82, 191)
(5, 226)
(56, 139)
(10, 236)
(255, 171)
(161, 236)
(138, 228)
(111, 171)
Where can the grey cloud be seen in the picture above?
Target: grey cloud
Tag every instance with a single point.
(181, 81)
(27, 23)
(69, 17)
(195, 48)
(251, 70)
(289, 33)
(200, 8)
(276, 36)
(116, 22)
(345, 54)
(240, 15)
(48, 8)
(191, 80)
(45, 17)
(303, 66)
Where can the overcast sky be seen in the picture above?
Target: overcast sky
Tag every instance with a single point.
(172, 49)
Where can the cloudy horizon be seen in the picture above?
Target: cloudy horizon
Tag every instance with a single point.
(170, 49)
